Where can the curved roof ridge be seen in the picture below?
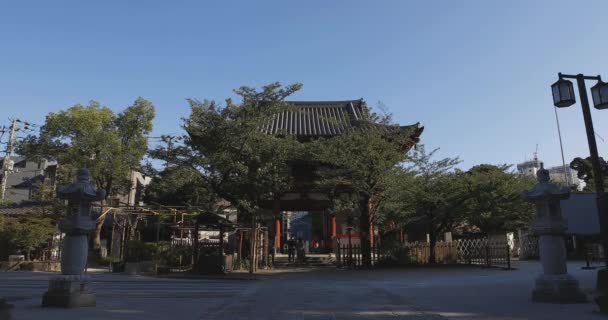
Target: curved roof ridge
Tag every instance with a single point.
(323, 102)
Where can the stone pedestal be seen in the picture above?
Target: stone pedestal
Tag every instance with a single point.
(6, 310)
(555, 284)
(557, 289)
(69, 292)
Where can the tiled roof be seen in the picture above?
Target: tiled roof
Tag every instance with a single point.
(15, 210)
(29, 182)
(317, 118)
(321, 118)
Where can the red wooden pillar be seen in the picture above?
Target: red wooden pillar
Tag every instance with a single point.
(333, 226)
(277, 234)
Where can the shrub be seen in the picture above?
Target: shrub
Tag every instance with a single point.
(140, 251)
(25, 234)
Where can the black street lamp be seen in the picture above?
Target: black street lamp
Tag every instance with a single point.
(563, 96)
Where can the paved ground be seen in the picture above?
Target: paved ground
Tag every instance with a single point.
(438, 293)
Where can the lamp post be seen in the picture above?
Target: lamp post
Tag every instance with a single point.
(563, 96)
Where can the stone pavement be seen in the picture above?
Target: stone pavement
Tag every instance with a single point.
(415, 293)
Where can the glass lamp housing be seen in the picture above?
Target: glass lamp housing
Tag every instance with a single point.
(563, 93)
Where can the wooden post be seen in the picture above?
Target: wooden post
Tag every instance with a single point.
(112, 236)
(370, 206)
(174, 221)
(333, 227)
(222, 240)
(371, 233)
(508, 258)
(332, 234)
(258, 247)
(265, 251)
(123, 238)
(252, 246)
(277, 234)
(195, 246)
(181, 230)
(240, 249)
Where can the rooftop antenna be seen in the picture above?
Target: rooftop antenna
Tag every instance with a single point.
(536, 153)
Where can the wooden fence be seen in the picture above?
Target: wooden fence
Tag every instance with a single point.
(482, 252)
(349, 255)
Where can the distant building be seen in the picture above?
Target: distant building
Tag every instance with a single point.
(24, 176)
(134, 197)
(556, 173)
(529, 167)
(565, 177)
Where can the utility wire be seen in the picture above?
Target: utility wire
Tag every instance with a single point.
(598, 135)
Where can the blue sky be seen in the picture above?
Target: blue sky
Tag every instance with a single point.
(476, 74)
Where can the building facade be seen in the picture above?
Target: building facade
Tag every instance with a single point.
(529, 168)
(565, 176)
(304, 211)
(24, 176)
(561, 175)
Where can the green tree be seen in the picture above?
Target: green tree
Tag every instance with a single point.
(93, 136)
(584, 171)
(397, 204)
(235, 159)
(438, 192)
(179, 186)
(360, 162)
(26, 234)
(494, 203)
(232, 155)
(109, 145)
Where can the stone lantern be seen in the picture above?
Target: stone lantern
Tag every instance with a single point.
(72, 288)
(555, 284)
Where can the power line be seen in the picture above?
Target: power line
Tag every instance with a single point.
(597, 134)
(561, 146)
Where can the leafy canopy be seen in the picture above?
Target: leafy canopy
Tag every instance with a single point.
(109, 144)
(226, 147)
(178, 186)
(584, 170)
(25, 234)
(357, 167)
(495, 203)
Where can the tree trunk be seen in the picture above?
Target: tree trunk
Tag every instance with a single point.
(108, 188)
(432, 242)
(241, 235)
(97, 236)
(252, 246)
(97, 233)
(364, 236)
